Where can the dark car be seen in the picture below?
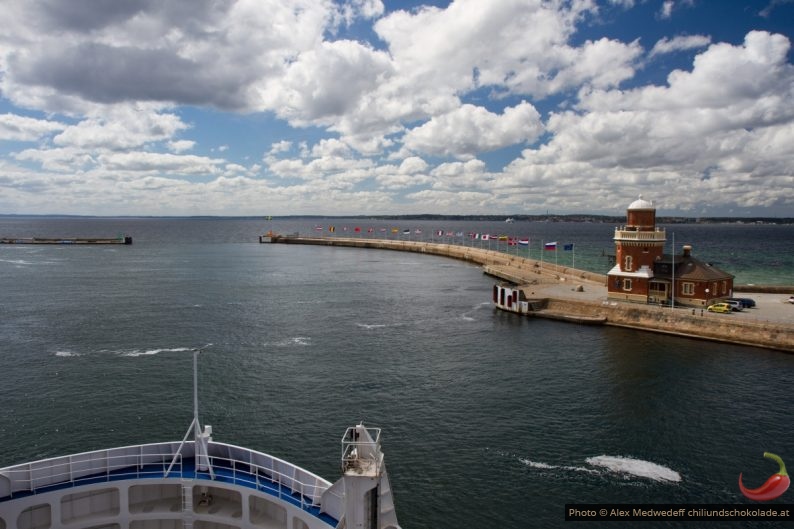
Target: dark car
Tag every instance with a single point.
(747, 303)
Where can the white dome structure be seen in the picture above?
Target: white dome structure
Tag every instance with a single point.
(641, 203)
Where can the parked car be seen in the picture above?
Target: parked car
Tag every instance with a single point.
(736, 306)
(747, 303)
(791, 299)
(720, 307)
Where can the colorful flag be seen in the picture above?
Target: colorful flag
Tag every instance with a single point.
(357, 229)
(383, 230)
(485, 236)
(550, 246)
(407, 232)
(523, 242)
(318, 228)
(394, 230)
(568, 247)
(459, 234)
(331, 229)
(370, 230)
(418, 231)
(440, 233)
(502, 237)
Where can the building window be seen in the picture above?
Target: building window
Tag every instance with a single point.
(628, 264)
(688, 289)
(724, 287)
(627, 284)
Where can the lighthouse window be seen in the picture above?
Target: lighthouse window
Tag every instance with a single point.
(628, 264)
(627, 284)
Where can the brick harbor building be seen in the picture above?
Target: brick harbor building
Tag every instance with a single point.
(643, 273)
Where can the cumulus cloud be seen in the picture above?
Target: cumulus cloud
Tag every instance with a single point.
(20, 128)
(117, 93)
(686, 42)
(703, 128)
(469, 129)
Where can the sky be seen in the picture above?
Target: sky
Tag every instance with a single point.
(370, 107)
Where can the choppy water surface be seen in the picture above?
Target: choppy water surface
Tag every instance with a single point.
(490, 420)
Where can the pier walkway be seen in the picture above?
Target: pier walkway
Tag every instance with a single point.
(573, 293)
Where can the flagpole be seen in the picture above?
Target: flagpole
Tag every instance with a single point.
(542, 244)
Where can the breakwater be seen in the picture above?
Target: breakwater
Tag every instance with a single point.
(565, 293)
(498, 264)
(125, 239)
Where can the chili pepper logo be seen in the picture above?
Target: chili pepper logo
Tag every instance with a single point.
(776, 485)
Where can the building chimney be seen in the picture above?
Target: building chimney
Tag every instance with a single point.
(687, 250)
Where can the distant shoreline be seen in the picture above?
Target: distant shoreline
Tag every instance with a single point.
(573, 218)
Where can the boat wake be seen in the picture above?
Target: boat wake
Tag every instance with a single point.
(546, 466)
(294, 341)
(371, 325)
(625, 466)
(149, 352)
(467, 316)
(635, 467)
(66, 354)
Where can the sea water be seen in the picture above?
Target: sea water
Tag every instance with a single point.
(489, 419)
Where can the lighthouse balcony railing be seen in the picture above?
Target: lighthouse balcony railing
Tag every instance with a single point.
(625, 233)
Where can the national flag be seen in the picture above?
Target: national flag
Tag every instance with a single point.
(370, 230)
(331, 229)
(550, 246)
(407, 232)
(459, 234)
(568, 247)
(440, 233)
(344, 229)
(357, 229)
(418, 231)
(523, 242)
(502, 237)
(383, 230)
(449, 234)
(318, 228)
(511, 242)
(394, 230)
(485, 237)
(476, 236)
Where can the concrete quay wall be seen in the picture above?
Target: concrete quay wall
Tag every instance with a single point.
(693, 323)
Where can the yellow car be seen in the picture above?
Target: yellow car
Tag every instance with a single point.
(719, 307)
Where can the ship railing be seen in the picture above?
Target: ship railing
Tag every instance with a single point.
(361, 450)
(229, 464)
(265, 473)
(129, 462)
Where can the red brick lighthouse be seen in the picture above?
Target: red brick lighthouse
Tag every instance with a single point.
(644, 274)
(638, 246)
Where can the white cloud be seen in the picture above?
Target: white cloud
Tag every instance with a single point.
(20, 128)
(470, 129)
(684, 42)
(179, 146)
(120, 127)
(704, 128)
